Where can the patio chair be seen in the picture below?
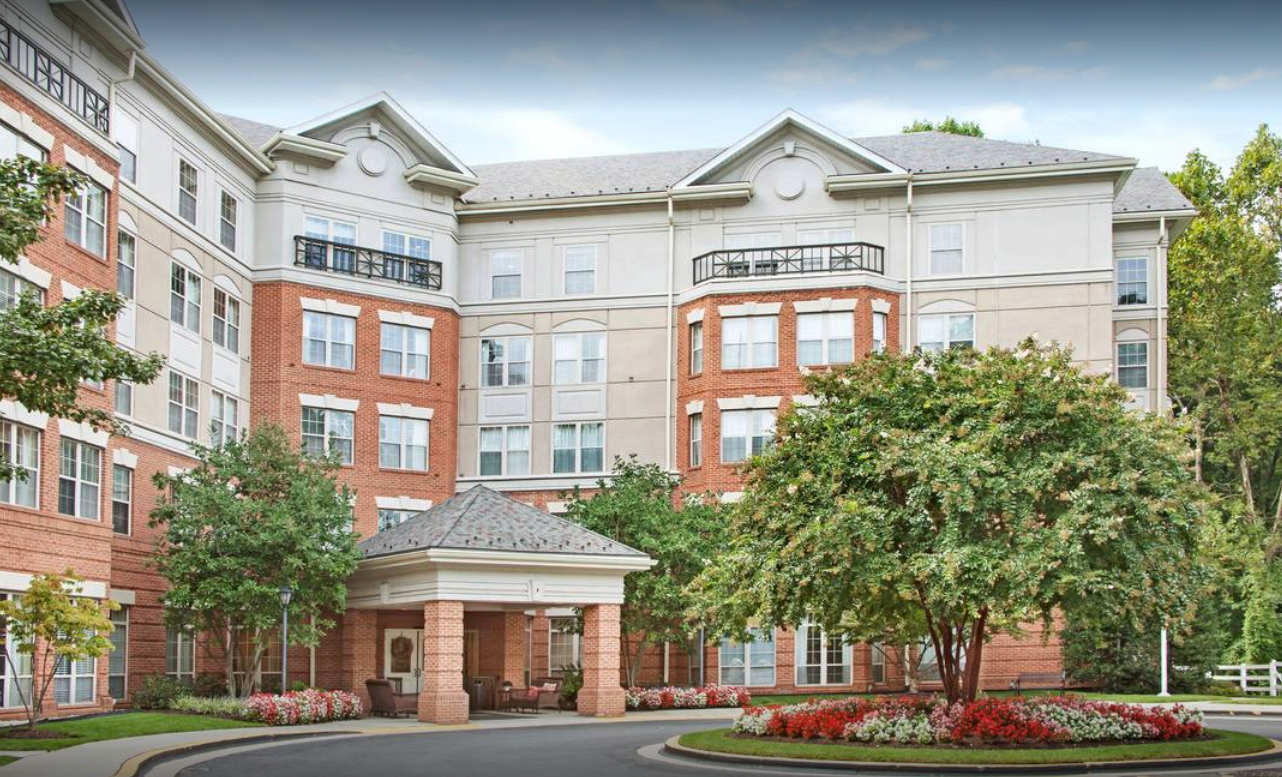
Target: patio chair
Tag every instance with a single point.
(386, 702)
(543, 693)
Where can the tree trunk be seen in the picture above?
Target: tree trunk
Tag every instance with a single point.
(1248, 494)
(975, 654)
(634, 668)
(1197, 449)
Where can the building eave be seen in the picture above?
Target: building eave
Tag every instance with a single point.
(1133, 216)
(436, 176)
(320, 151)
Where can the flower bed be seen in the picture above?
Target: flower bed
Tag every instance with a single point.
(1040, 720)
(302, 707)
(673, 697)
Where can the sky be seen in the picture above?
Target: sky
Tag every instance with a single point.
(499, 81)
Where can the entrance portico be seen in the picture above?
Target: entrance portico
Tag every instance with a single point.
(478, 563)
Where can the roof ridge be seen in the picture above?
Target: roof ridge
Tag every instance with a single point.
(581, 527)
(469, 498)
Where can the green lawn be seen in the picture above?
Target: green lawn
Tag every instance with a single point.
(1133, 698)
(4, 760)
(131, 724)
(1223, 743)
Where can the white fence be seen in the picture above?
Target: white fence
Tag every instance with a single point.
(1252, 678)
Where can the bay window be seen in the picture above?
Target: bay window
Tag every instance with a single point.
(79, 479)
(403, 350)
(1132, 280)
(744, 433)
(20, 448)
(696, 439)
(825, 338)
(749, 341)
(878, 332)
(327, 430)
(696, 348)
(1132, 365)
(402, 443)
(122, 499)
(85, 214)
(329, 340)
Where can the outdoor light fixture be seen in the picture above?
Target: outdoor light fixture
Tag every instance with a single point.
(286, 593)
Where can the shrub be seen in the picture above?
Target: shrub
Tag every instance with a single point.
(219, 706)
(209, 685)
(158, 692)
(302, 707)
(686, 697)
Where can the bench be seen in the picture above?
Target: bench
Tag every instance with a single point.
(1042, 681)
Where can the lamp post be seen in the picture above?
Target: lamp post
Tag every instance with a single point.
(1165, 661)
(286, 593)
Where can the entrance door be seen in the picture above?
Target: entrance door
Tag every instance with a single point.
(403, 657)
(471, 654)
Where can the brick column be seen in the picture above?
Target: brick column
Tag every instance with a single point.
(441, 698)
(513, 648)
(360, 651)
(602, 695)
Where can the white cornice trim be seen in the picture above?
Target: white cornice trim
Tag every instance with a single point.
(880, 306)
(332, 306)
(402, 503)
(406, 318)
(736, 190)
(849, 182)
(310, 148)
(20, 581)
(330, 282)
(512, 483)
(452, 556)
(1130, 216)
(125, 458)
(27, 271)
(825, 305)
(694, 407)
(694, 316)
(465, 209)
(750, 309)
(436, 176)
(329, 402)
(83, 432)
(1101, 167)
(405, 410)
(15, 411)
(749, 402)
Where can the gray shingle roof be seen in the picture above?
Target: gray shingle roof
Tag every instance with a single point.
(938, 152)
(255, 132)
(483, 519)
(582, 176)
(1148, 189)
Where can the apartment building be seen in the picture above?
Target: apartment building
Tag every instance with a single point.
(476, 340)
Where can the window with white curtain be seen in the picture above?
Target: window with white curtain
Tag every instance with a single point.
(184, 405)
(124, 398)
(825, 338)
(20, 447)
(180, 654)
(74, 681)
(188, 191)
(822, 659)
(749, 341)
(79, 479)
(696, 439)
(226, 321)
(696, 348)
(940, 332)
(578, 447)
(224, 418)
(748, 663)
(329, 340)
(504, 450)
(85, 213)
(118, 659)
(505, 274)
(578, 358)
(878, 332)
(580, 269)
(325, 430)
(184, 297)
(565, 645)
(505, 361)
(745, 432)
(126, 258)
(403, 351)
(402, 443)
(946, 255)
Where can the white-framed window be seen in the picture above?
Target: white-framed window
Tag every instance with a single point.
(326, 430)
(1132, 365)
(578, 447)
(752, 262)
(180, 654)
(928, 663)
(749, 663)
(388, 518)
(821, 659)
(749, 341)
(118, 659)
(952, 330)
(333, 231)
(124, 398)
(329, 340)
(79, 479)
(825, 338)
(74, 681)
(126, 262)
(14, 144)
(228, 208)
(814, 259)
(12, 288)
(1132, 280)
(124, 130)
(402, 443)
(396, 246)
(565, 645)
(696, 439)
(20, 447)
(580, 269)
(226, 321)
(15, 671)
(696, 348)
(879, 321)
(184, 405)
(946, 254)
(184, 297)
(505, 361)
(744, 433)
(505, 274)
(504, 450)
(403, 351)
(578, 358)
(224, 419)
(188, 191)
(122, 499)
(877, 662)
(85, 212)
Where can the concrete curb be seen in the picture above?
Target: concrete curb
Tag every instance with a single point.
(674, 747)
(141, 762)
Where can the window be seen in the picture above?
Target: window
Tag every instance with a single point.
(945, 249)
(505, 450)
(505, 274)
(328, 430)
(1132, 280)
(397, 246)
(821, 659)
(126, 258)
(1132, 365)
(180, 654)
(389, 518)
(812, 259)
(877, 662)
(124, 128)
(14, 144)
(15, 671)
(341, 232)
(118, 659)
(748, 663)
(79, 479)
(505, 361)
(187, 191)
(402, 443)
(122, 499)
(696, 439)
(749, 341)
(224, 419)
(184, 405)
(227, 207)
(12, 287)
(20, 446)
(744, 431)
(85, 212)
(580, 269)
(74, 681)
(878, 332)
(184, 297)
(927, 663)
(825, 338)
(329, 340)
(226, 321)
(565, 645)
(124, 399)
(948, 331)
(578, 358)
(696, 348)
(403, 351)
(578, 447)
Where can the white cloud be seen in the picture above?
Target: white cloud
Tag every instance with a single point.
(1043, 73)
(492, 134)
(1227, 82)
(931, 65)
(879, 117)
(871, 40)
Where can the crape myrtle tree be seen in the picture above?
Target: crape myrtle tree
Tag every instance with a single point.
(961, 493)
(253, 515)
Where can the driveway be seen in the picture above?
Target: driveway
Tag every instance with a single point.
(588, 750)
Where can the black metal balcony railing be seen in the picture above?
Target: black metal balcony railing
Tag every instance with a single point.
(366, 262)
(35, 64)
(790, 260)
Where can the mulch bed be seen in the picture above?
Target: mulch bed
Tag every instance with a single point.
(972, 745)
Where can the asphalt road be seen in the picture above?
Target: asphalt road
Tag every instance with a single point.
(554, 751)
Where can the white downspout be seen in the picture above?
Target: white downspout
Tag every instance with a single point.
(908, 267)
(129, 76)
(311, 660)
(1161, 313)
(668, 397)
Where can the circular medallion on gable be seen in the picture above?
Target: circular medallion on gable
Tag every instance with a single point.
(789, 186)
(372, 160)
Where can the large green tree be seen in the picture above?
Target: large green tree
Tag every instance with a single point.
(253, 515)
(964, 493)
(641, 506)
(948, 124)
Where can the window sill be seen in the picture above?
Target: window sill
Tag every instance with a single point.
(408, 378)
(81, 249)
(404, 471)
(741, 370)
(327, 368)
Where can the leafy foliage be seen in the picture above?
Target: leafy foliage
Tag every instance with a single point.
(949, 125)
(961, 493)
(158, 692)
(253, 515)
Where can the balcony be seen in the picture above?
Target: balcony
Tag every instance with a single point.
(34, 64)
(790, 260)
(359, 262)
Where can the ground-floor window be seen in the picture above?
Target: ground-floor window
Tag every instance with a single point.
(529, 650)
(180, 654)
(877, 662)
(268, 674)
(821, 659)
(74, 681)
(927, 663)
(118, 660)
(751, 662)
(565, 645)
(15, 671)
